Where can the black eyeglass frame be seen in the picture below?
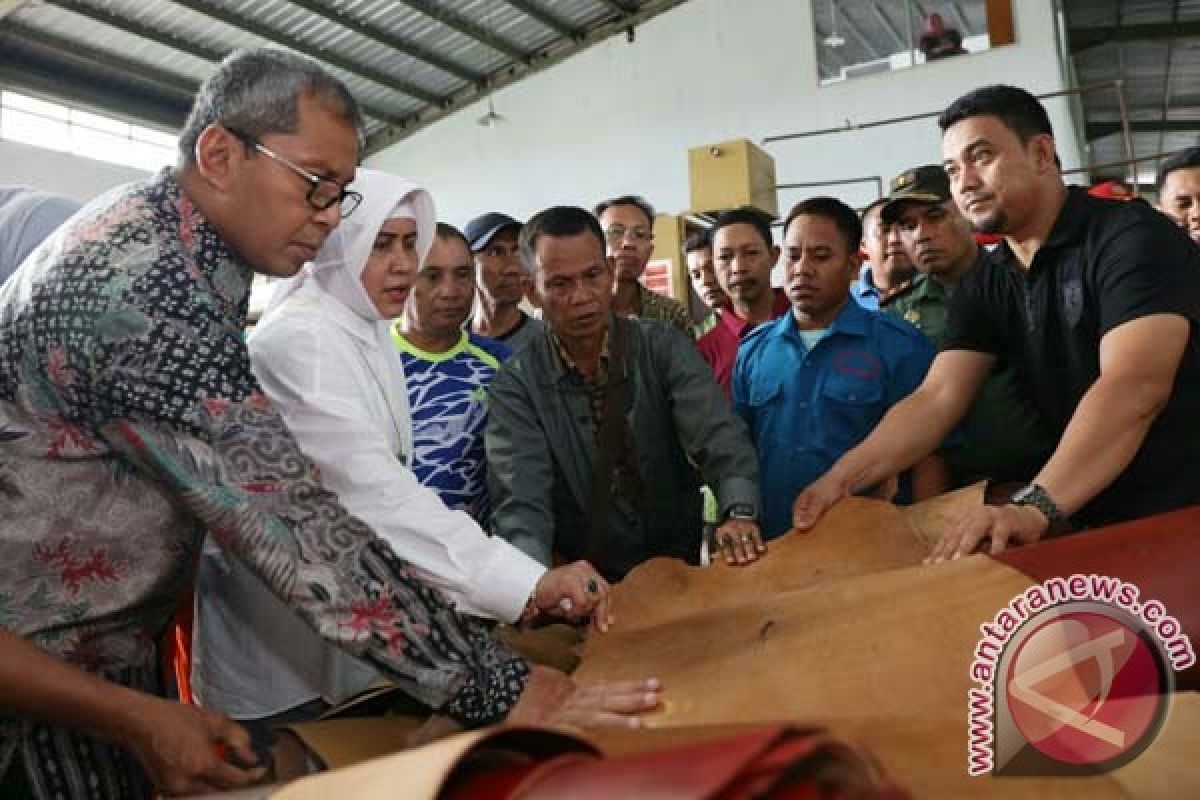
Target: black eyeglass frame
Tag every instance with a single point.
(347, 200)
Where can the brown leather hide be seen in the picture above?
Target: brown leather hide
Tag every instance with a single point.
(856, 537)
(842, 627)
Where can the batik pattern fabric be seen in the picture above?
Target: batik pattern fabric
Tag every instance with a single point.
(131, 424)
(658, 306)
(447, 399)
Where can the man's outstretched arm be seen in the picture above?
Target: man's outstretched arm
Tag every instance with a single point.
(1138, 363)
(913, 429)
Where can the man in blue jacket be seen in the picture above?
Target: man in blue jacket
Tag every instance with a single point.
(813, 383)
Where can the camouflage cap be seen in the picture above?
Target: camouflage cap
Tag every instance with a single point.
(926, 184)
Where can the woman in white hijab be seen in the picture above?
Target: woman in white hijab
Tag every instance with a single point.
(324, 357)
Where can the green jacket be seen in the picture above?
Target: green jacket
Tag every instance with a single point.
(1003, 438)
(541, 448)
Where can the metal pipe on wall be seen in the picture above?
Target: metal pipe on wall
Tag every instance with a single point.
(849, 126)
(876, 179)
(1127, 136)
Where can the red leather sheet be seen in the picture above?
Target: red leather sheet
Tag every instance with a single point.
(1159, 554)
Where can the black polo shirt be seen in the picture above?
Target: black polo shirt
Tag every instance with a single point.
(1104, 263)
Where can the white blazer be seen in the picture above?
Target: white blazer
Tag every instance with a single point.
(339, 385)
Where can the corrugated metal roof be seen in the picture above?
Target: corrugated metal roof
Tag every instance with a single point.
(1153, 48)
(407, 61)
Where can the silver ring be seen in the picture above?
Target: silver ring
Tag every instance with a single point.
(746, 538)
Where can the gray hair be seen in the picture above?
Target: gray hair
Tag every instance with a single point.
(258, 92)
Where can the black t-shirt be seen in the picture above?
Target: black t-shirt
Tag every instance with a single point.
(1104, 263)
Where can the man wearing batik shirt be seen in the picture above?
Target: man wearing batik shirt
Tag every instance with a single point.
(131, 424)
(628, 223)
(447, 371)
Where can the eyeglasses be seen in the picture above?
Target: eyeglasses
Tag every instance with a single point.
(618, 233)
(323, 192)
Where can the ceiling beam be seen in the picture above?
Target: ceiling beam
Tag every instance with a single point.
(255, 27)
(1098, 130)
(1085, 38)
(549, 56)
(467, 28)
(960, 18)
(888, 26)
(400, 45)
(93, 78)
(544, 17)
(134, 69)
(872, 49)
(619, 7)
(192, 48)
(140, 29)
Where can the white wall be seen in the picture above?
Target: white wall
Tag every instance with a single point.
(619, 117)
(62, 173)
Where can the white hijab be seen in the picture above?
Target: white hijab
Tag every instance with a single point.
(337, 273)
(339, 264)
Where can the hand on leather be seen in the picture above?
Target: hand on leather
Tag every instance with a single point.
(552, 698)
(993, 527)
(740, 541)
(182, 747)
(815, 500)
(574, 591)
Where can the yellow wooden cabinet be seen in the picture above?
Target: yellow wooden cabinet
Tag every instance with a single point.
(732, 174)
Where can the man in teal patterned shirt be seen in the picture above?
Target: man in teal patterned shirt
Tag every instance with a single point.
(447, 370)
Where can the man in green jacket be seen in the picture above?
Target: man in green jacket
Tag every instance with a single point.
(571, 476)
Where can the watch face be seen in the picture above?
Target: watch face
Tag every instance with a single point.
(1022, 494)
(741, 511)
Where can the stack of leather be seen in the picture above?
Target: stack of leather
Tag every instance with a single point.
(839, 658)
(845, 628)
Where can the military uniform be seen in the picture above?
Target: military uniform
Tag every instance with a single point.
(1002, 436)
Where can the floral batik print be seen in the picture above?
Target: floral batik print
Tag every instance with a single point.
(131, 426)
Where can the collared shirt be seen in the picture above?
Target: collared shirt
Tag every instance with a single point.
(864, 291)
(806, 408)
(657, 306)
(1103, 264)
(719, 347)
(130, 423)
(1002, 438)
(447, 397)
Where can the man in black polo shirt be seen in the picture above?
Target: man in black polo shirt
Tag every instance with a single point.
(1095, 304)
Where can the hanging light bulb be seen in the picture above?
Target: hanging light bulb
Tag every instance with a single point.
(834, 39)
(491, 119)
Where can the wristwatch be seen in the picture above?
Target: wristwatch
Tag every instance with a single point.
(1036, 496)
(743, 511)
